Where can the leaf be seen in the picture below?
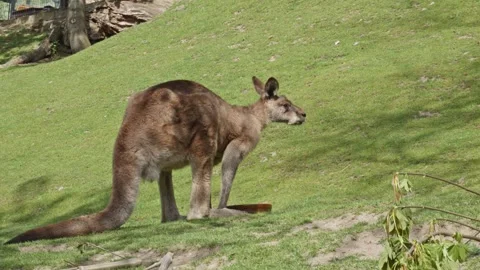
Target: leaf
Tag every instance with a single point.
(403, 220)
(396, 190)
(389, 222)
(434, 252)
(405, 185)
(458, 237)
(458, 252)
(388, 251)
(383, 262)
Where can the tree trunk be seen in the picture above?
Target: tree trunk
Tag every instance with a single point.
(82, 24)
(77, 33)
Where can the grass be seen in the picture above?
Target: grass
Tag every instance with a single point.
(362, 97)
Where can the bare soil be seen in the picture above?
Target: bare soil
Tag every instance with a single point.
(365, 245)
(418, 232)
(368, 244)
(338, 223)
(182, 259)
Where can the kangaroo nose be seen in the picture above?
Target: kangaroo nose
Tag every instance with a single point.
(304, 114)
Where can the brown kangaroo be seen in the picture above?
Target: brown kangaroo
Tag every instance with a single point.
(169, 126)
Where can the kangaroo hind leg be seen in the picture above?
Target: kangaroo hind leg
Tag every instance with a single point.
(200, 194)
(167, 197)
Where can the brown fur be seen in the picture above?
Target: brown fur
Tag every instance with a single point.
(169, 126)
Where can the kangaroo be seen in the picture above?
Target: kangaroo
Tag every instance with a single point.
(169, 126)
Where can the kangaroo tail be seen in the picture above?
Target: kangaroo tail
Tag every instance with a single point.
(72, 227)
(119, 209)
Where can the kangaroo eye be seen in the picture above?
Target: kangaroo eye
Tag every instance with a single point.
(286, 106)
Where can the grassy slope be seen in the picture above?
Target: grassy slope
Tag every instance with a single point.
(59, 121)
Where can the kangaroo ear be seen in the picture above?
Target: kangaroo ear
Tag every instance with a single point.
(271, 87)
(259, 86)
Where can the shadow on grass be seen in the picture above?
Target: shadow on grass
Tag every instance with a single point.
(23, 193)
(400, 138)
(17, 42)
(24, 212)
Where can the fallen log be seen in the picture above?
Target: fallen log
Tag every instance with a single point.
(41, 51)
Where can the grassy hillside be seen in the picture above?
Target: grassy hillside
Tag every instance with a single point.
(387, 86)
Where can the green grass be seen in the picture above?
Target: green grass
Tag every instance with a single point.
(362, 97)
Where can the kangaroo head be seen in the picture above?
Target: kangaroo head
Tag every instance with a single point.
(279, 108)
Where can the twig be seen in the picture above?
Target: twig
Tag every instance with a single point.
(410, 250)
(344, 168)
(166, 261)
(439, 210)
(450, 235)
(104, 249)
(154, 265)
(71, 263)
(428, 237)
(112, 265)
(461, 223)
(471, 239)
(443, 180)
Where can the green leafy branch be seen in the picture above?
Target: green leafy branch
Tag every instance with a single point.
(439, 179)
(401, 252)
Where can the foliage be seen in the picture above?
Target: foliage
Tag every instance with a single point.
(363, 102)
(403, 252)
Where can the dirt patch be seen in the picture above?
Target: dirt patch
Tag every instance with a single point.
(369, 244)
(419, 232)
(184, 259)
(338, 223)
(45, 248)
(365, 245)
